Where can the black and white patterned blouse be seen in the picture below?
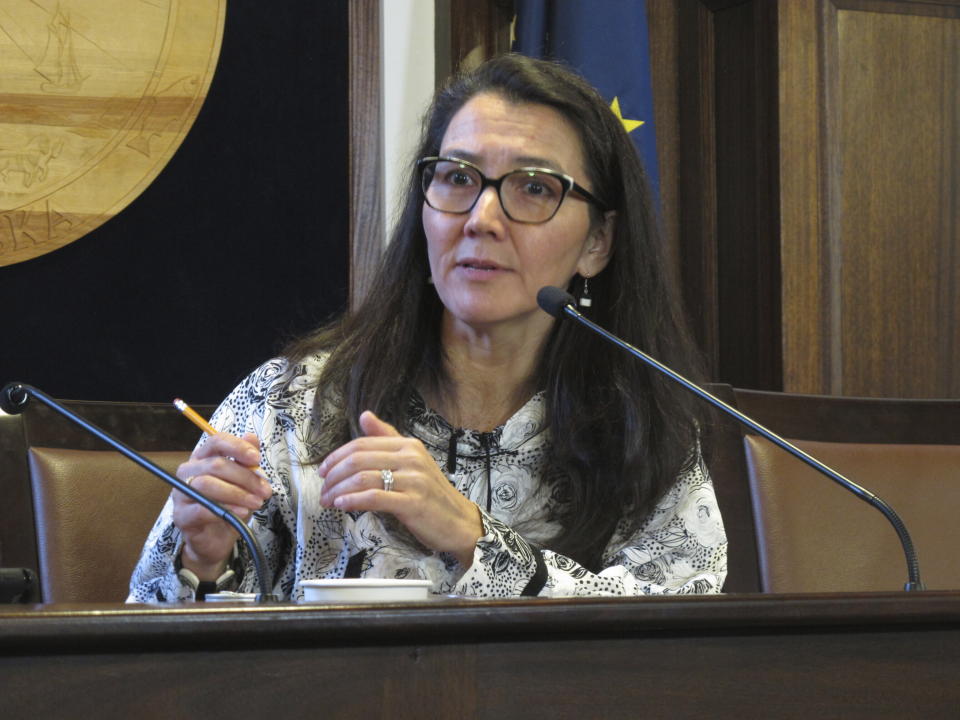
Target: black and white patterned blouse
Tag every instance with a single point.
(680, 548)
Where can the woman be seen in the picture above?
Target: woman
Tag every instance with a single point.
(450, 429)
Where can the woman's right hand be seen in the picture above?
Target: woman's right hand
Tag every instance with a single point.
(224, 469)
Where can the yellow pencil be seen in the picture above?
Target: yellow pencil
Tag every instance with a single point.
(194, 417)
(197, 419)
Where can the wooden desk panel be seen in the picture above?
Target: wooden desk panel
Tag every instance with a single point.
(850, 656)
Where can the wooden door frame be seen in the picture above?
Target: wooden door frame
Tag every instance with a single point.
(364, 118)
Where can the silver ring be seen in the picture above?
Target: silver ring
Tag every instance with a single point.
(189, 479)
(387, 477)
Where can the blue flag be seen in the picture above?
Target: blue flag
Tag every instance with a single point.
(607, 43)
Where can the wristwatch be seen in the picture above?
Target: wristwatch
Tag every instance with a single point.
(229, 580)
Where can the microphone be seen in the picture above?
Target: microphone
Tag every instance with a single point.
(560, 304)
(18, 585)
(13, 400)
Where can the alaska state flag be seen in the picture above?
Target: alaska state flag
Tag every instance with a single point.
(605, 41)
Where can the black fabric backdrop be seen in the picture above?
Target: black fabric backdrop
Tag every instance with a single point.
(240, 243)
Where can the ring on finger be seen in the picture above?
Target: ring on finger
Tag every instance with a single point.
(387, 477)
(189, 479)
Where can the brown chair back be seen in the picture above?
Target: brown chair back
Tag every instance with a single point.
(48, 495)
(814, 536)
(93, 511)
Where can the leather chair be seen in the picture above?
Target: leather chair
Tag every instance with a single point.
(78, 513)
(813, 535)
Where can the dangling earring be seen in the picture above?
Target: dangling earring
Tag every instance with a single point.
(429, 279)
(585, 299)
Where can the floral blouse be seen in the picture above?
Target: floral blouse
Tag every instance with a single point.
(680, 548)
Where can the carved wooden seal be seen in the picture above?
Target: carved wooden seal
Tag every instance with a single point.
(95, 97)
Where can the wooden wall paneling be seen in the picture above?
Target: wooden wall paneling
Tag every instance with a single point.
(950, 190)
(365, 152)
(664, 30)
(869, 182)
(829, 222)
(950, 214)
(725, 219)
(748, 259)
(805, 264)
(696, 166)
(896, 74)
(442, 41)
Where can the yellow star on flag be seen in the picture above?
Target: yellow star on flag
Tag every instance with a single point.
(628, 125)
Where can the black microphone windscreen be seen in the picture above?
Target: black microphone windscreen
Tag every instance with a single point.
(13, 398)
(552, 300)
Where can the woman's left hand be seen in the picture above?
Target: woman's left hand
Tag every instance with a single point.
(422, 497)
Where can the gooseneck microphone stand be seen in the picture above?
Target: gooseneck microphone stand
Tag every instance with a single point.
(14, 398)
(560, 304)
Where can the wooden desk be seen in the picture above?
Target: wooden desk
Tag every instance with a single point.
(743, 656)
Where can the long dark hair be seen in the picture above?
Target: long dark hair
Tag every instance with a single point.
(619, 433)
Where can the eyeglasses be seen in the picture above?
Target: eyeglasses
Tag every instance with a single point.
(527, 195)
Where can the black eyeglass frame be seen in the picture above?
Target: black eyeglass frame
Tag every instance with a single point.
(568, 183)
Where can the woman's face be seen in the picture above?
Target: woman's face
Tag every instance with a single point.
(487, 268)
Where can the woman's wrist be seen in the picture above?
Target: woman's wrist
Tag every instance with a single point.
(464, 554)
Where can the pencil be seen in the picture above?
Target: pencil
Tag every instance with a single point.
(197, 419)
(194, 417)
